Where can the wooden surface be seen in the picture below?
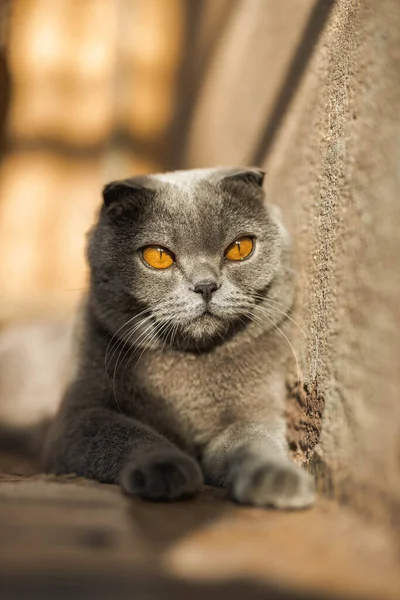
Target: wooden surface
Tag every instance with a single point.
(64, 537)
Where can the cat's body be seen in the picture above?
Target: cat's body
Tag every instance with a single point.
(181, 370)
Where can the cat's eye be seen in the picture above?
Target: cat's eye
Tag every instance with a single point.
(158, 257)
(240, 249)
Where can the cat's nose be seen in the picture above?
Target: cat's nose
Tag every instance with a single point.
(206, 288)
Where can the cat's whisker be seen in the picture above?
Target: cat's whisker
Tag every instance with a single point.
(174, 334)
(276, 326)
(125, 341)
(285, 314)
(118, 330)
(142, 341)
(122, 342)
(271, 311)
(151, 337)
(167, 333)
(112, 338)
(123, 326)
(164, 332)
(269, 301)
(146, 336)
(118, 358)
(133, 349)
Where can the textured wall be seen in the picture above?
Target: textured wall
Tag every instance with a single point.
(329, 138)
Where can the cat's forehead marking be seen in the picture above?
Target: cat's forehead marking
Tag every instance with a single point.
(186, 179)
(182, 190)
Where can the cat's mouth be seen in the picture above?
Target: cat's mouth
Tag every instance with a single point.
(208, 313)
(204, 316)
(207, 327)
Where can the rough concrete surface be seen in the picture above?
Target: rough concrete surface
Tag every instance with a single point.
(332, 161)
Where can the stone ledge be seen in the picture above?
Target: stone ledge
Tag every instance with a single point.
(92, 537)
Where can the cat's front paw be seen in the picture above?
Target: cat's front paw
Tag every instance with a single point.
(162, 475)
(281, 485)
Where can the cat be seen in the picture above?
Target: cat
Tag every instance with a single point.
(180, 376)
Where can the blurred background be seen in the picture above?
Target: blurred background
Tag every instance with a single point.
(88, 91)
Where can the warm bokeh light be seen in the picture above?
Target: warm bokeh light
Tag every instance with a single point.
(93, 88)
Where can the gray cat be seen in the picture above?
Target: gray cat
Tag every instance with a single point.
(180, 375)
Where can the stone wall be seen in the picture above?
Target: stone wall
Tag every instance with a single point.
(317, 104)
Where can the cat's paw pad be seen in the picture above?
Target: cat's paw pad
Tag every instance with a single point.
(281, 485)
(167, 475)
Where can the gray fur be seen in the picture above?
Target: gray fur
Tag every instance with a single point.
(166, 397)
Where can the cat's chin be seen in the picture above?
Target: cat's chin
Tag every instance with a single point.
(205, 328)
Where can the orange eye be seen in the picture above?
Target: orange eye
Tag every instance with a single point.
(239, 249)
(158, 258)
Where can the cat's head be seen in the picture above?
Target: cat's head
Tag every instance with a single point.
(194, 250)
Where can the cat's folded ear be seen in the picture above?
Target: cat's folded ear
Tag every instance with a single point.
(125, 189)
(250, 176)
(125, 195)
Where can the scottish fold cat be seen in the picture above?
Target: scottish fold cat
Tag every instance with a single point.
(180, 368)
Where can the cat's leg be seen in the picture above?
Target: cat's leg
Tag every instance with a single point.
(99, 443)
(251, 460)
